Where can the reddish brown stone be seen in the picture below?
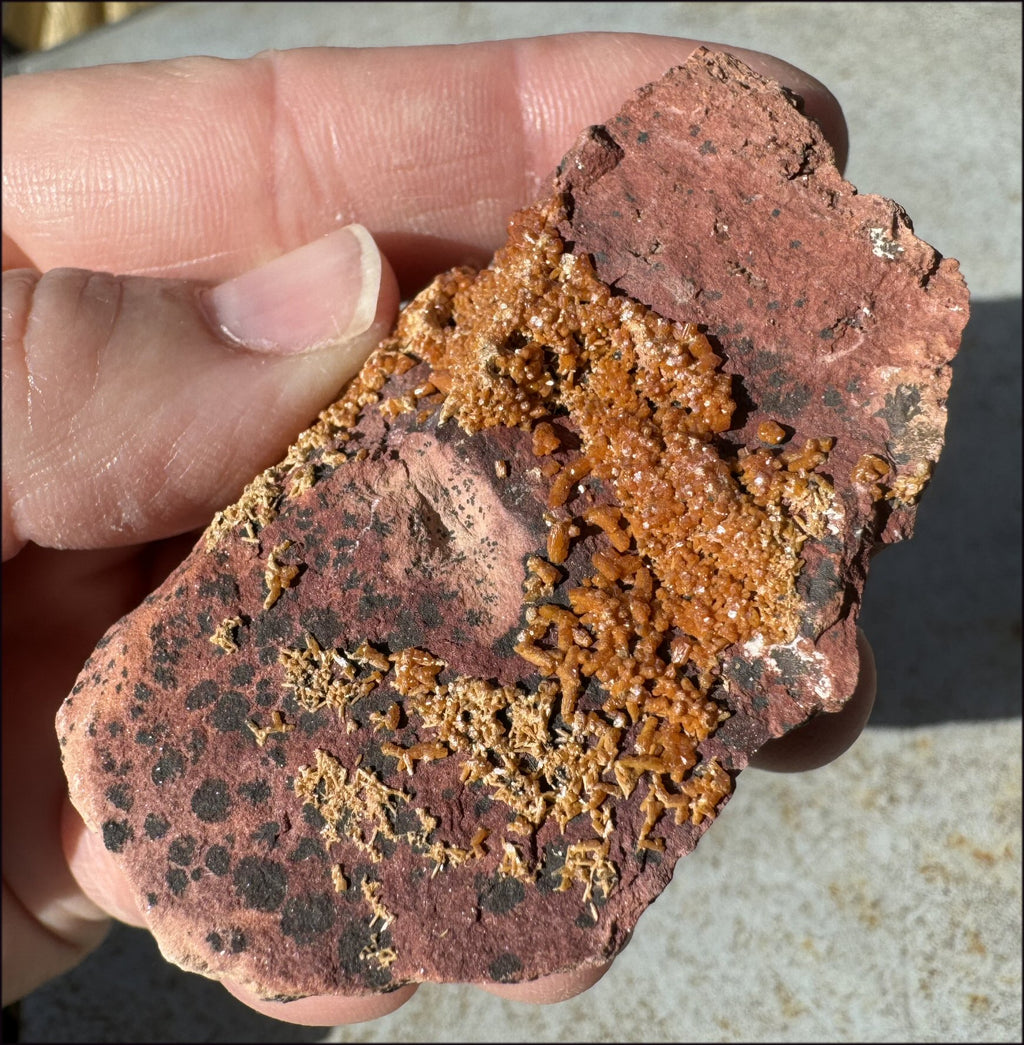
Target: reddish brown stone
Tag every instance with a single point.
(193, 741)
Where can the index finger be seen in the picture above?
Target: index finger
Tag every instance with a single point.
(203, 168)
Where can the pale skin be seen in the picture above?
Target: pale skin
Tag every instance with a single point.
(209, 168)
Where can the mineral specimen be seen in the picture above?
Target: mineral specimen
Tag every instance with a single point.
(447, 693)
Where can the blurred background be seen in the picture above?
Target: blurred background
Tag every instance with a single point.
(878, 899)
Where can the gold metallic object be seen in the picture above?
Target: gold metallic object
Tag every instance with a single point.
(40, 26)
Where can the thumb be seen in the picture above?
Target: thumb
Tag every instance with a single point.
(133, 408)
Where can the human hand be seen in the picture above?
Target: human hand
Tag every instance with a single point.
(130, 415)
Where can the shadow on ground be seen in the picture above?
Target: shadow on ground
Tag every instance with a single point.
(943, 611)
(155, 1002)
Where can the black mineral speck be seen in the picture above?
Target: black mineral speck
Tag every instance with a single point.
(182, 850)
(307, 847)
(215, 942)
(323, 624)
(142, 692)
(152, 899)
(305, 917)
(500, 894)
(165, 676)
(118, 795)
(505, 969)
(242, 674)
(177, 881)
(266, 695)
(197, 873)
(202, 696)
(156, 826)
(256, 792)
(238, 941)
(230, 713)
(117, 834)
(261, 884)
(196, 745)
(791, 669)
(353, 942)
(211, 801)
(550, 879)
(313, 817)
(218, 860)
(585, 919)
(115, 728)
(169, 767)
(268, 834)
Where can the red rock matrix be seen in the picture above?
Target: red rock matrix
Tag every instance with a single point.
(447, 693)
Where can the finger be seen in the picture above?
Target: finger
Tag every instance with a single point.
(825, 737)
(96, 871)
(211, 166)
(35, 949)
(547, 990)
(133, 408)
(326, 1011)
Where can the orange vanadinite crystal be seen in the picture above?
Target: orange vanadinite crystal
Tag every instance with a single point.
(692, 549)
(702, 550)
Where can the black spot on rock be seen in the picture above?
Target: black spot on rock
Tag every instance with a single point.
(218, 860)
(268, 834)
(238, 941)
(261, 884)
(222, 585)
(197, 873)
(305, 917)
(242, 674)
(271, 632)
(313, 817)
(117, 834)
(165, 676)
(307, 847)
(230, 713)
(142, 692)
(211, 801)
(747, 673)
(266, 695)
(791, 668)
(177, 881)
(215, 942)
(119, 795)
(152, 899)
(182, 850)
(586, 920)
(169, 767)
(550, 879)
(500, 894)
(148, 737)
(257, 792)
(196, 745)
(505, 969)
(353, 942)
(323, 624)
(156, 826)
(115, 728)
(202, 696)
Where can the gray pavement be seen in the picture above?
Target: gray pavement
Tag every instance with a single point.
(879, 898)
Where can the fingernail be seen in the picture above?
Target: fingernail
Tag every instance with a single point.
(321, 294)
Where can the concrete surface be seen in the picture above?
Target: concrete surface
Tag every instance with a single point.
(879, 898)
